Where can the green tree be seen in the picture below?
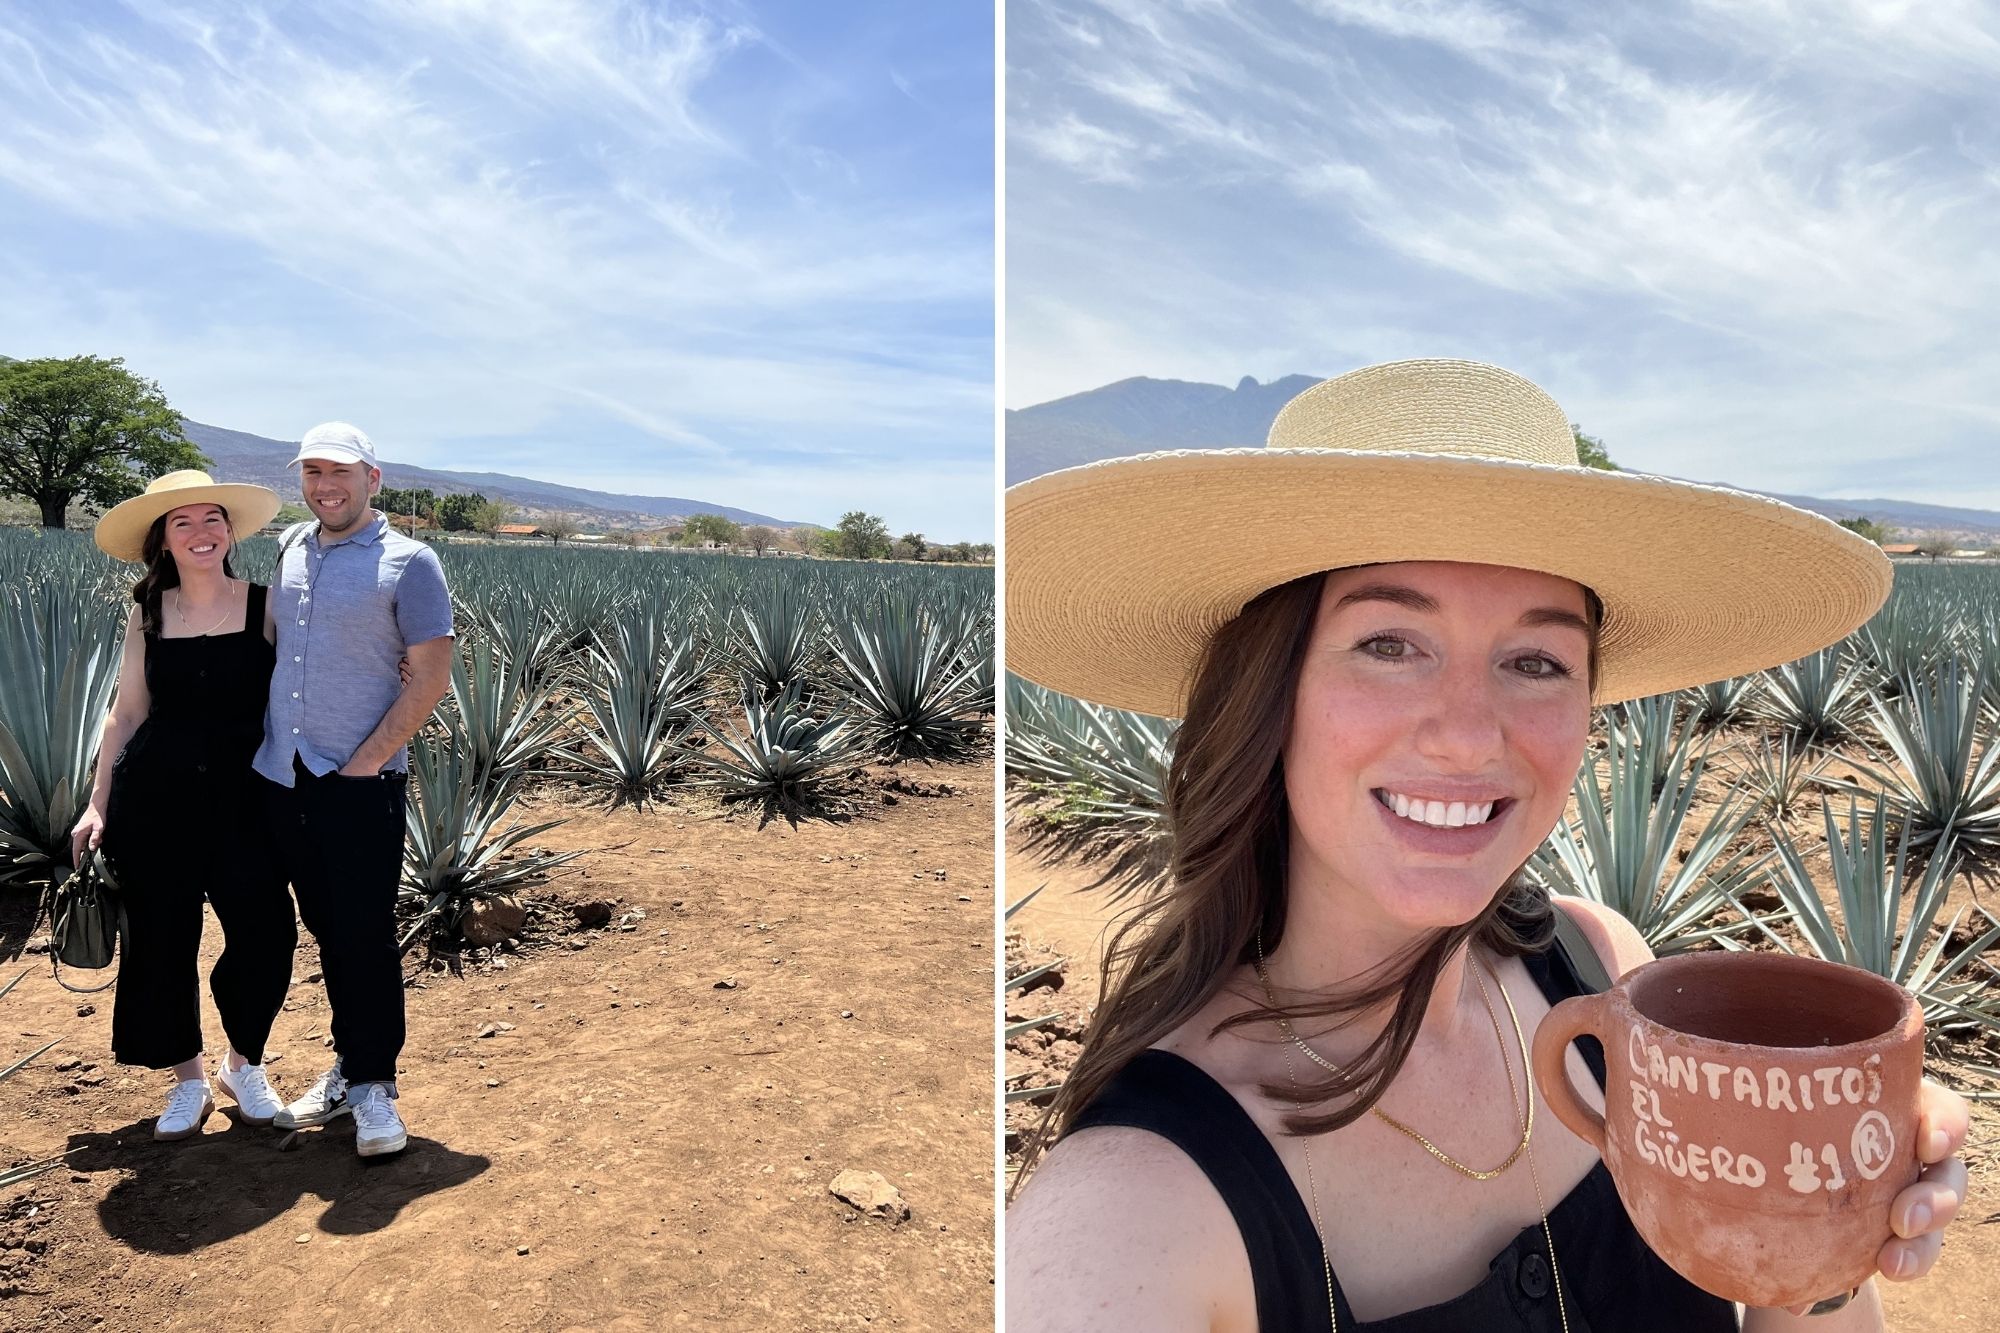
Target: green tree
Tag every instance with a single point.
(84, 428)
(458, 512)
(1590, 450)
(490, 515)
(411, 500)
(915, 541)
(759, 538)
(860, 536)
(1868, 528)
(710, 528)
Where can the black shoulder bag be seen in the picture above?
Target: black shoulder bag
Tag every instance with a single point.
(85, 918)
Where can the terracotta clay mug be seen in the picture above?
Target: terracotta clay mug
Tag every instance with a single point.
(1760, 1115)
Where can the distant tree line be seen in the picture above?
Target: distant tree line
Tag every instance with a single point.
(858, 536)
(457, 511)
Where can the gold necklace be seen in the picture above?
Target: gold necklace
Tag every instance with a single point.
(1312, 1183)
(1513, 1092)
(228, 610)
(1555, 1274)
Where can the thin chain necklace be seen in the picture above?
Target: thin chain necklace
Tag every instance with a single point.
(1305, 1146)
(228, 610)
(1514, 1104)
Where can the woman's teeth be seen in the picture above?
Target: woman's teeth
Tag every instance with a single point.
(1437, 814)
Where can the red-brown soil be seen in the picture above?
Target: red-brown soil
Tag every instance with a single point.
(640, 1149)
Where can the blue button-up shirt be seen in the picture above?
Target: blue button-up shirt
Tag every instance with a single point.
(346, 613)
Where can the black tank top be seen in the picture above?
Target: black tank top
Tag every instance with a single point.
(208, 695)
(1612, 1283)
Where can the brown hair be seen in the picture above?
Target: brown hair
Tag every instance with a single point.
(1230, 826)
(162, 573)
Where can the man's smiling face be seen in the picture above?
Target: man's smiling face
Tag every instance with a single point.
(338, 493)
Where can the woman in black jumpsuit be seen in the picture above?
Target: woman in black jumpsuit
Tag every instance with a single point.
(174, 808)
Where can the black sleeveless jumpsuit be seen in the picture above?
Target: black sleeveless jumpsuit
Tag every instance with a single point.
(1612, 1283)
(183, 822)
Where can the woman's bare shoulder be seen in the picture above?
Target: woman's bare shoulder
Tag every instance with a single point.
(1618, 942)
(1119, 1229)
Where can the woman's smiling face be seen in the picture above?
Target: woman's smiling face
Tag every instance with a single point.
(1441, 714)
(197, 536)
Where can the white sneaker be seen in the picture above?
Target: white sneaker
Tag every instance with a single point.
(378, 1130)
(188, 1105)
(325, 1100)
(251, 1092)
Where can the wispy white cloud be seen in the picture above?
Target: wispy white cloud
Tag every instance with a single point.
(1746, 253)
(635, 209)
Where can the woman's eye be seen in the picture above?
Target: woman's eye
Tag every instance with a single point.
(1385, 646)
(1538, 665)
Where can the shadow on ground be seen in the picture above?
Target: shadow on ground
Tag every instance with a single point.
(177, 1198)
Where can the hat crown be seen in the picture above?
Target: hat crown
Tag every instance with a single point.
(1462, 408)
(183, 480)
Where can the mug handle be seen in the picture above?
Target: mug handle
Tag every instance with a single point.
(1581, 1015)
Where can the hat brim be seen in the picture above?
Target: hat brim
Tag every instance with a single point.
(330, 453)
(1119, 572)
(122, 530)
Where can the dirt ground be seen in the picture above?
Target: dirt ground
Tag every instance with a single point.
(1072, 921)
(600, 1136)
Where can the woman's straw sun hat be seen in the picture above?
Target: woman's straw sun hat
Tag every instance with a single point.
(122, 530)
(1119, 572)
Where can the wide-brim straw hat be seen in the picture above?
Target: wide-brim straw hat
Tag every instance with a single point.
(1119, 572)
(122, 530)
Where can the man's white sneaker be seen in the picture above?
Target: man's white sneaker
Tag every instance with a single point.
(378, 1130)
(188, 1105)
(325, 1100)
(251, 1092)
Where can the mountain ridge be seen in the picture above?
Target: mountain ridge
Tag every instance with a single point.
(241, 456)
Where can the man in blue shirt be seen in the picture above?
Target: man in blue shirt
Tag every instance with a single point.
(350, 599)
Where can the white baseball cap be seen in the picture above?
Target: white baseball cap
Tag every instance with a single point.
(336, 442)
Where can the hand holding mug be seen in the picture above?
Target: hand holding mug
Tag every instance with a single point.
(1764, 1121)
(1920, 1213)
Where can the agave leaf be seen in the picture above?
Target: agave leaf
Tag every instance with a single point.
(907, 678)
(1620, 849)
(1029, 1025)
(785, 756)
(1870, 884)
(1933, 729)
(1818, 700)
(1036, 974)
(58, 666)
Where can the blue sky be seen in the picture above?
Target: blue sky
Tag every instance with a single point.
(1745, 241)
(734, 252)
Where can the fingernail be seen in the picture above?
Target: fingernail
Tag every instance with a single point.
(1906, 1264)
(1919, 1218)
(1934, 1146)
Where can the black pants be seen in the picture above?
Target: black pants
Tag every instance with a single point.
(171, 844)
(340, 841)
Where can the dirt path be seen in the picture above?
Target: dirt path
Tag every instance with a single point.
(639, 1149)
(1962, 1293)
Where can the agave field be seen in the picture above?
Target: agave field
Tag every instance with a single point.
(617, 675)
(1844, 806)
